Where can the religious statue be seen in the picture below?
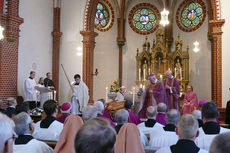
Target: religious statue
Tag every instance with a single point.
(145, 70)
(178, 70)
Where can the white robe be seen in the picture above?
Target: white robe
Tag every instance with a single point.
(80, 97)
(167, 150)
(33, 146)
(148, 130)
(29, 90)
(52, 133)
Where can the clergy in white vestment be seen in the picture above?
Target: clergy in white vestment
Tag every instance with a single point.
(151, 124)
(30, 95)
(49, 128)
(25, 143)
(80, 96)
(187, 131)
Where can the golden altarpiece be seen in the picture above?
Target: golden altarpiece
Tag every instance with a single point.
(159, 58)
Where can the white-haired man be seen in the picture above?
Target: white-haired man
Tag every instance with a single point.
(7, 134)
(172, 88)
(122, 117)
(25, 142)
(154, 94)
(187, 131)
(89, 112)
(10, 111)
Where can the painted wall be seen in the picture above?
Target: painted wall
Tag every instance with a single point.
(225, 53)
(200, 63)
(72, 12)
(35, 42)
(106, 59)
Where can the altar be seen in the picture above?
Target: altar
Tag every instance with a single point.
(159, 58)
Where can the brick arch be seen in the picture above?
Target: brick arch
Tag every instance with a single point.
(215, 34)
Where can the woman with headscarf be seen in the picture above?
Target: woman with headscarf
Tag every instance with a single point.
(128, 140)
(190, 101)
(65, 143)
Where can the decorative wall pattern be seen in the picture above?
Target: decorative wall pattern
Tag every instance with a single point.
(144, 18)
(190, 15)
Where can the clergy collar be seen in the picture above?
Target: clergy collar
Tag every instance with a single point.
(31, 78)
(150, 123)
(47, 122)
(170, 127)
(183, 145)
(23, 139)
(211, 128)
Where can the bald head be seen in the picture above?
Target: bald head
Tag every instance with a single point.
(161, 108)
(151, 112)
(197, 114)
(220, 144)
(172, 116)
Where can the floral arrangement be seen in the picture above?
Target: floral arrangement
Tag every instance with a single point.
(115, 86)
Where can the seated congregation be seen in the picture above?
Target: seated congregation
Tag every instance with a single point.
(99, 131)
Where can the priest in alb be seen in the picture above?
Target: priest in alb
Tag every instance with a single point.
(154, 94)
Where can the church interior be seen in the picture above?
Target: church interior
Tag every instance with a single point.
(115, 45)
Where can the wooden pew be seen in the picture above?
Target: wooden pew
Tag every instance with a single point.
(52, 144)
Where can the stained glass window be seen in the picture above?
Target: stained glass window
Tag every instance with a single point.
(144, 19)
(102, 17)
(191, 15)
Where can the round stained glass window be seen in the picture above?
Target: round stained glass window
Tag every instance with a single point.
(143, 18)
(192, 15)
(102, 17)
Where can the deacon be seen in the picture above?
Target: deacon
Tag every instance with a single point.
(80, 96)
(172, 88)
(30, 95)
(48, 82)
(154, 94)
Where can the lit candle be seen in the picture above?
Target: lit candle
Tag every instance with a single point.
(106, 94)
(161, 77)
(55, 94)
(141, 86)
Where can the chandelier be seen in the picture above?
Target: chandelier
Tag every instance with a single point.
(164, 17)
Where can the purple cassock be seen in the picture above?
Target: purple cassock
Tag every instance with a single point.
(133, 118)
(160, 118)
(63, 117)
(106, 116)
(153, 95)
(173, 94)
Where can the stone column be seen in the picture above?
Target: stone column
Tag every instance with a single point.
(88, 60)
(56, 44)
(216, 57)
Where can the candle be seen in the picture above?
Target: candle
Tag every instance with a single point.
(55, 94)
(106, 94)
(141, 86)
(139, 73)
(133, 95)
(161, 77)
(175, 72)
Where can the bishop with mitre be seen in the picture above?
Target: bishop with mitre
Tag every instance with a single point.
(154, 94)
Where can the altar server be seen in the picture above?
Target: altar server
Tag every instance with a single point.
(30, 95)
(80, 96)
